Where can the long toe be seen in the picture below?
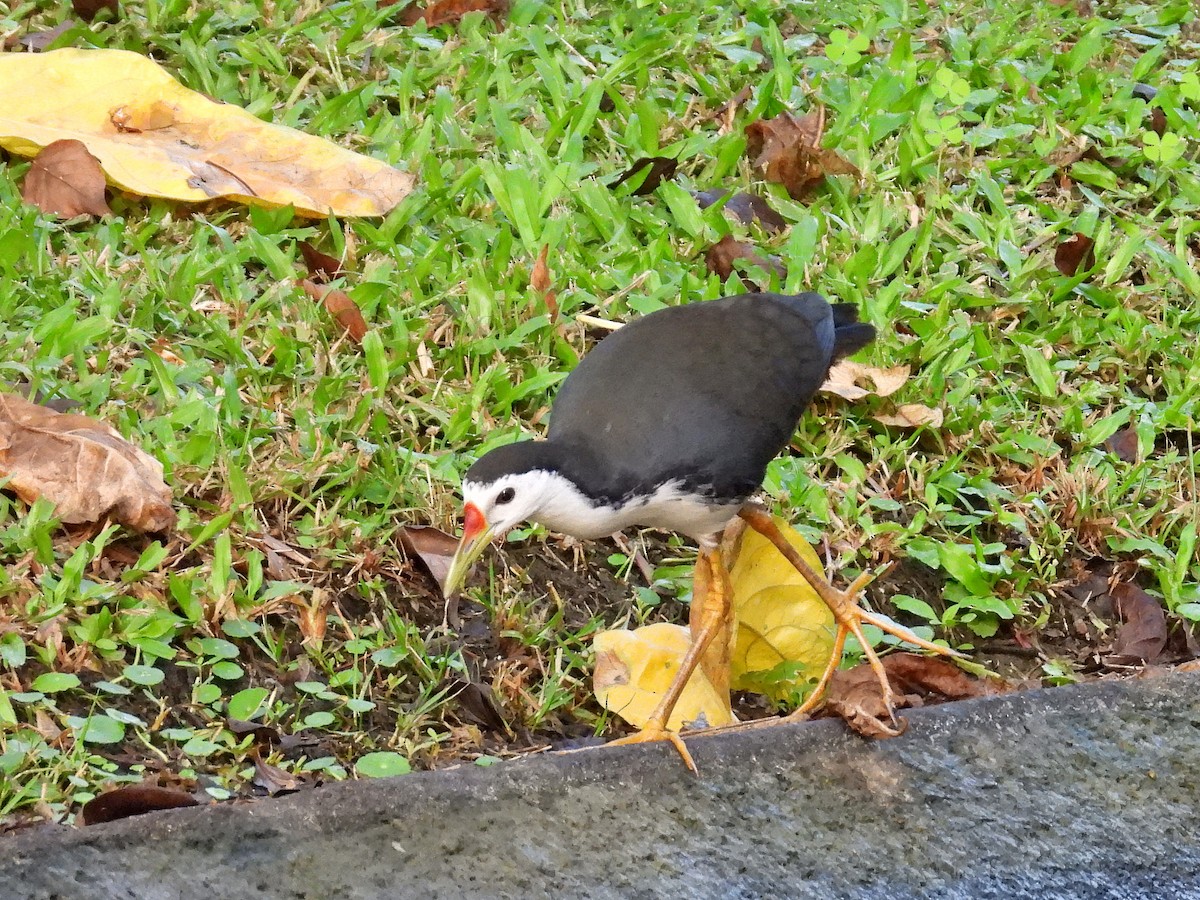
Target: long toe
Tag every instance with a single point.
(654, 731)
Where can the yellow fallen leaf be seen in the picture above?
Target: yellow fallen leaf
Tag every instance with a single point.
(635, 668)
(846, 377)
(784, 630)
(156, 138)
(912, 415)
(83, 466)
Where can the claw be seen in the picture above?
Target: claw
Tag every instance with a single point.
(657, 731)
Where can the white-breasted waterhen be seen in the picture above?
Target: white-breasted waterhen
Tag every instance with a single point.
(670, 423)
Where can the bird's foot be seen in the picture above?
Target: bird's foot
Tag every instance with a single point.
(850, 618)
(655, 730)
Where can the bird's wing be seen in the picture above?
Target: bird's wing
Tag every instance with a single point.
(707, 393)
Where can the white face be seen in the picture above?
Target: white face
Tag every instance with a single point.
(512, 499)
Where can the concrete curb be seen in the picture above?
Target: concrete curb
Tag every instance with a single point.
(1090, 791)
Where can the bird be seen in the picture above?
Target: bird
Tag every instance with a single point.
(669, 423)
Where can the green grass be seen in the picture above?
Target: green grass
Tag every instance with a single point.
(185, 329)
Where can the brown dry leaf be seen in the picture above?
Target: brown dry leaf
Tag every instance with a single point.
(634, 669)
(1070, 255)
(721, 257)
(476, 703)
(745, 207)
(845, 379)
(265, 735)
(787, 150)
(540, 281)
(727, 111)
(156, 138)
(339, 305)
(1158, 121)
(661, 168)
(275, 780)
(89, 9)
(83, 466)
(1143, 630)
(314, 614)
(855, 695)
(40, 40)
(912, 415)
(447, 12)
(47, 727)
(65, 180)
(1124, 444)
(431, 546)
(133, 800)
(937, 679)
(321, 266)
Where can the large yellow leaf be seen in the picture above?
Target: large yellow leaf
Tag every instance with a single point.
(635, 668)
(155, 137)
(783, 639)
(784, 630)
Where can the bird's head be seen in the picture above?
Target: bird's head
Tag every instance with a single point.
(506, 487)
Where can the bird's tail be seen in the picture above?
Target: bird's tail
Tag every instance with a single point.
(849, 334)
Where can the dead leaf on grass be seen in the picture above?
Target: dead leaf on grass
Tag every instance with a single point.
(721, 257)
(856, 697)
(847, 377)
(660, 169)
(912, 415)
(727, 111)
(48, 728)
(39, 40)
(321, 266)
(1124, 443)
(265, 735)
(65, 180)
(156, 138)
(936, 679)
(1070, 255)
(787, 149)
(314, 615)
(448, 12)
(133, 800)
(339, 305)
(81, 465)
(432, 546)
(745, 207)
(1142, 633)
(540, 281)
(1158, 121)
(274, 780)
(477, 704)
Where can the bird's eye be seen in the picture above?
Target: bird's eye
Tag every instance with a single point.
(505, 496)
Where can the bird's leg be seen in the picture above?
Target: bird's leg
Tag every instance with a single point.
(846, 611)
(712, 609)
(709, 622)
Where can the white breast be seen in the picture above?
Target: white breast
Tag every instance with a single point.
(567, 510)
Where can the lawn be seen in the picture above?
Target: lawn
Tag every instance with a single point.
(281, 623)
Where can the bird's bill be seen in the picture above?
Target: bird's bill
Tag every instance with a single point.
(476, 536)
